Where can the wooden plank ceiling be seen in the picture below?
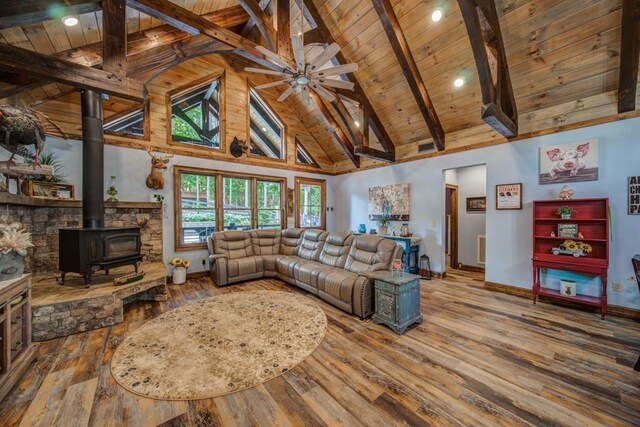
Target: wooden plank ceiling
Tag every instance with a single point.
(563, 58)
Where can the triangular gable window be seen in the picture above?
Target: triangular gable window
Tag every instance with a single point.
(303, 157)
(266, 130)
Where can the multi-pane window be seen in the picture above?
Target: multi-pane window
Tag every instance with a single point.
(311, 203)
(208, 201)
(130, 124)
(197, 208)
(195, 115)
(265, 130)
(237, 203)
(269, 198)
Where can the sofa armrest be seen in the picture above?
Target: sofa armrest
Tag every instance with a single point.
(363, 295)
(218, 269)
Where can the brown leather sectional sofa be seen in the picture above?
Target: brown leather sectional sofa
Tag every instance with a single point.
(333, 266)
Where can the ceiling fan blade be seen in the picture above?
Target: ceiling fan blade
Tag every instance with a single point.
(266, 71)
(340, 84)
(277, 59)
(326, 94)
(324, 57)
(334, 71)
(273, 84)
(305, 95)
(287, 92)
(298, 52)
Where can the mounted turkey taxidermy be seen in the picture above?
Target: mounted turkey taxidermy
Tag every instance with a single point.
(155, 180)
(22, 126)
(238, 147)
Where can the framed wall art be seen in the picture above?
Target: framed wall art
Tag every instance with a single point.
(389, 202)
(571, 162)
(509, 196)
(476, 204)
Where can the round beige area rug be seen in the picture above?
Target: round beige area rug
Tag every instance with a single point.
(219, 345)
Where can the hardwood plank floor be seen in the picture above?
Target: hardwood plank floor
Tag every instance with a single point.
(479, 358)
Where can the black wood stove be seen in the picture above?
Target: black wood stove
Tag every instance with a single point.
(95, 247)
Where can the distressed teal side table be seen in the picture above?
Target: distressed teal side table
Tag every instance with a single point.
(397, 296)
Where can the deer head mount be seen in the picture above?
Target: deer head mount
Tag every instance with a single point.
(155, 180)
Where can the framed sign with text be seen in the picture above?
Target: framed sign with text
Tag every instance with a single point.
(633, 193)
(509, 196)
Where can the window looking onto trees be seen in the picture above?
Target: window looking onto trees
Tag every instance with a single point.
(130, 124)
(195, 115)
(208, 201)
(266, 131)
(311, 203)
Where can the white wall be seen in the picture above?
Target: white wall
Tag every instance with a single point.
(509, 239)
(131, 168)
(472, 182)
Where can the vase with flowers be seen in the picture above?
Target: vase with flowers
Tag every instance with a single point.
(180, 267)
(383, 224)
(14, 242)
(565, 212)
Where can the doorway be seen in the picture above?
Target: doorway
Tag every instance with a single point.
(465, 218)
(451, 225)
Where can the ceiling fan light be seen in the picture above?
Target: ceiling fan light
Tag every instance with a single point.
(303, 80)
(436, 15)
(70, 21)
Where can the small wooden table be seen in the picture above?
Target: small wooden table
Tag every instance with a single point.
(397, 296)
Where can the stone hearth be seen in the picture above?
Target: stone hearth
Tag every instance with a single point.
(59, 311)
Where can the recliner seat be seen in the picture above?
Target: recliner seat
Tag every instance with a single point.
(334, 266)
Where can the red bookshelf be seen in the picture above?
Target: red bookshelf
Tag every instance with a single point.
(592, 218)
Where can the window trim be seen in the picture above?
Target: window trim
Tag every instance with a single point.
(219, 203)
(283, 158)
(323, 199)
(196, 84)
(144, 107)
(313, 163)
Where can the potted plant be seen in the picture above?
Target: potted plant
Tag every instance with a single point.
(384, 226)
(180, 267)
(14, 242)
(565, 212)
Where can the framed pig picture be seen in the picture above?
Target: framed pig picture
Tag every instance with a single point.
(571, 162)
(509, 196)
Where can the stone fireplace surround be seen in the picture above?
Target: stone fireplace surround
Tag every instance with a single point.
(43, 218)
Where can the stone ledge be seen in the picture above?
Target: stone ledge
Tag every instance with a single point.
(60, 311)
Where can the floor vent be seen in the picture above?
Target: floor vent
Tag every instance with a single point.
(425, 147)
(482, 250)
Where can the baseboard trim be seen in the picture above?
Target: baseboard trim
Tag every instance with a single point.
(194, 275)
(472, 268)
(616, 310)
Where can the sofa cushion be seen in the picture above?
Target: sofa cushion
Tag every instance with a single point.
(245, 266)
(311, 244)
(336, 248)
(307, 272)
(269, 262)
(233, 244)
(336, 286)
(370, 253)
(265, 242)
(290, 240)
(285, 264)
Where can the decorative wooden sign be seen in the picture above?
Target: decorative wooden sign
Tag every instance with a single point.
(48, 190)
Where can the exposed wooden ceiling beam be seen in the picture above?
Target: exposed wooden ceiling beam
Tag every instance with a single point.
(283, 18)
(114, 29)
(374, 154)
(629, 56)
(17, 60)
(171, 45)
(334, 128)
(345, 116)
(396, 37)
(313, 17)
(498, 102)
(313, 36)
(20, 13)
(185, 19)
(260, 19)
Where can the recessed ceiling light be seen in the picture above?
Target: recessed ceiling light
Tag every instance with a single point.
(70, 21)
(458, 82)
(264, 129)
(436, 15)
(299, 33)
(357, 123)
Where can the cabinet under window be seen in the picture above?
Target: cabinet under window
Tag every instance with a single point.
(195, 114)
(208, 201)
